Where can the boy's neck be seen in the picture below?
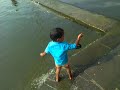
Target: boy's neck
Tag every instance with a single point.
(57, 41)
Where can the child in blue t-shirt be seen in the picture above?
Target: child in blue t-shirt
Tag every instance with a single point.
(58, 49)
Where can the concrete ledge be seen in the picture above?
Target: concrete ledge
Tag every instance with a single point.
(78, 15)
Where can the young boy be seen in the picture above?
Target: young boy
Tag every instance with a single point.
(58, 49)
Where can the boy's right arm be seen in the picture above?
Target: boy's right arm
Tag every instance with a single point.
(42, 54)
(78, 39)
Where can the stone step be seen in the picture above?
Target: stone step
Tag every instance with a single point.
(83, 17)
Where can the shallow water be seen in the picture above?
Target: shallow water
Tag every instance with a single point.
(24, 33)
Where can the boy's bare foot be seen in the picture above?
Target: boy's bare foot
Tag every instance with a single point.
(57, 79)
(71, 77)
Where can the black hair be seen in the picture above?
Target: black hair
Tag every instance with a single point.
(56, 33)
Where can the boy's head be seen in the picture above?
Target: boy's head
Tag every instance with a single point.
(56, 34)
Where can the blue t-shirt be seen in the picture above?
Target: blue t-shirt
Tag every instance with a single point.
(59, 51)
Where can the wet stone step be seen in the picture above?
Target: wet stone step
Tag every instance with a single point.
(78, 15)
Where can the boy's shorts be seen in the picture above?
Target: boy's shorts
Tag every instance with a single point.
(62, 65)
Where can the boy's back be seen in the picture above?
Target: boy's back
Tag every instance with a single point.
(59, 51)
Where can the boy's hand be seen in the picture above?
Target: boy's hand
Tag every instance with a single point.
(80, 35)
(78, 38)
(42, 54)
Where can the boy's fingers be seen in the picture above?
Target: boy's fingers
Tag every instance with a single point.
(41, 54)
(80, 35)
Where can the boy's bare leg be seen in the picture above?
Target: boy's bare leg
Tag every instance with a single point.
(69, 72)
(58, 69)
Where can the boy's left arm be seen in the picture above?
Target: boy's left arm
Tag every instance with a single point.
(42, 54)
